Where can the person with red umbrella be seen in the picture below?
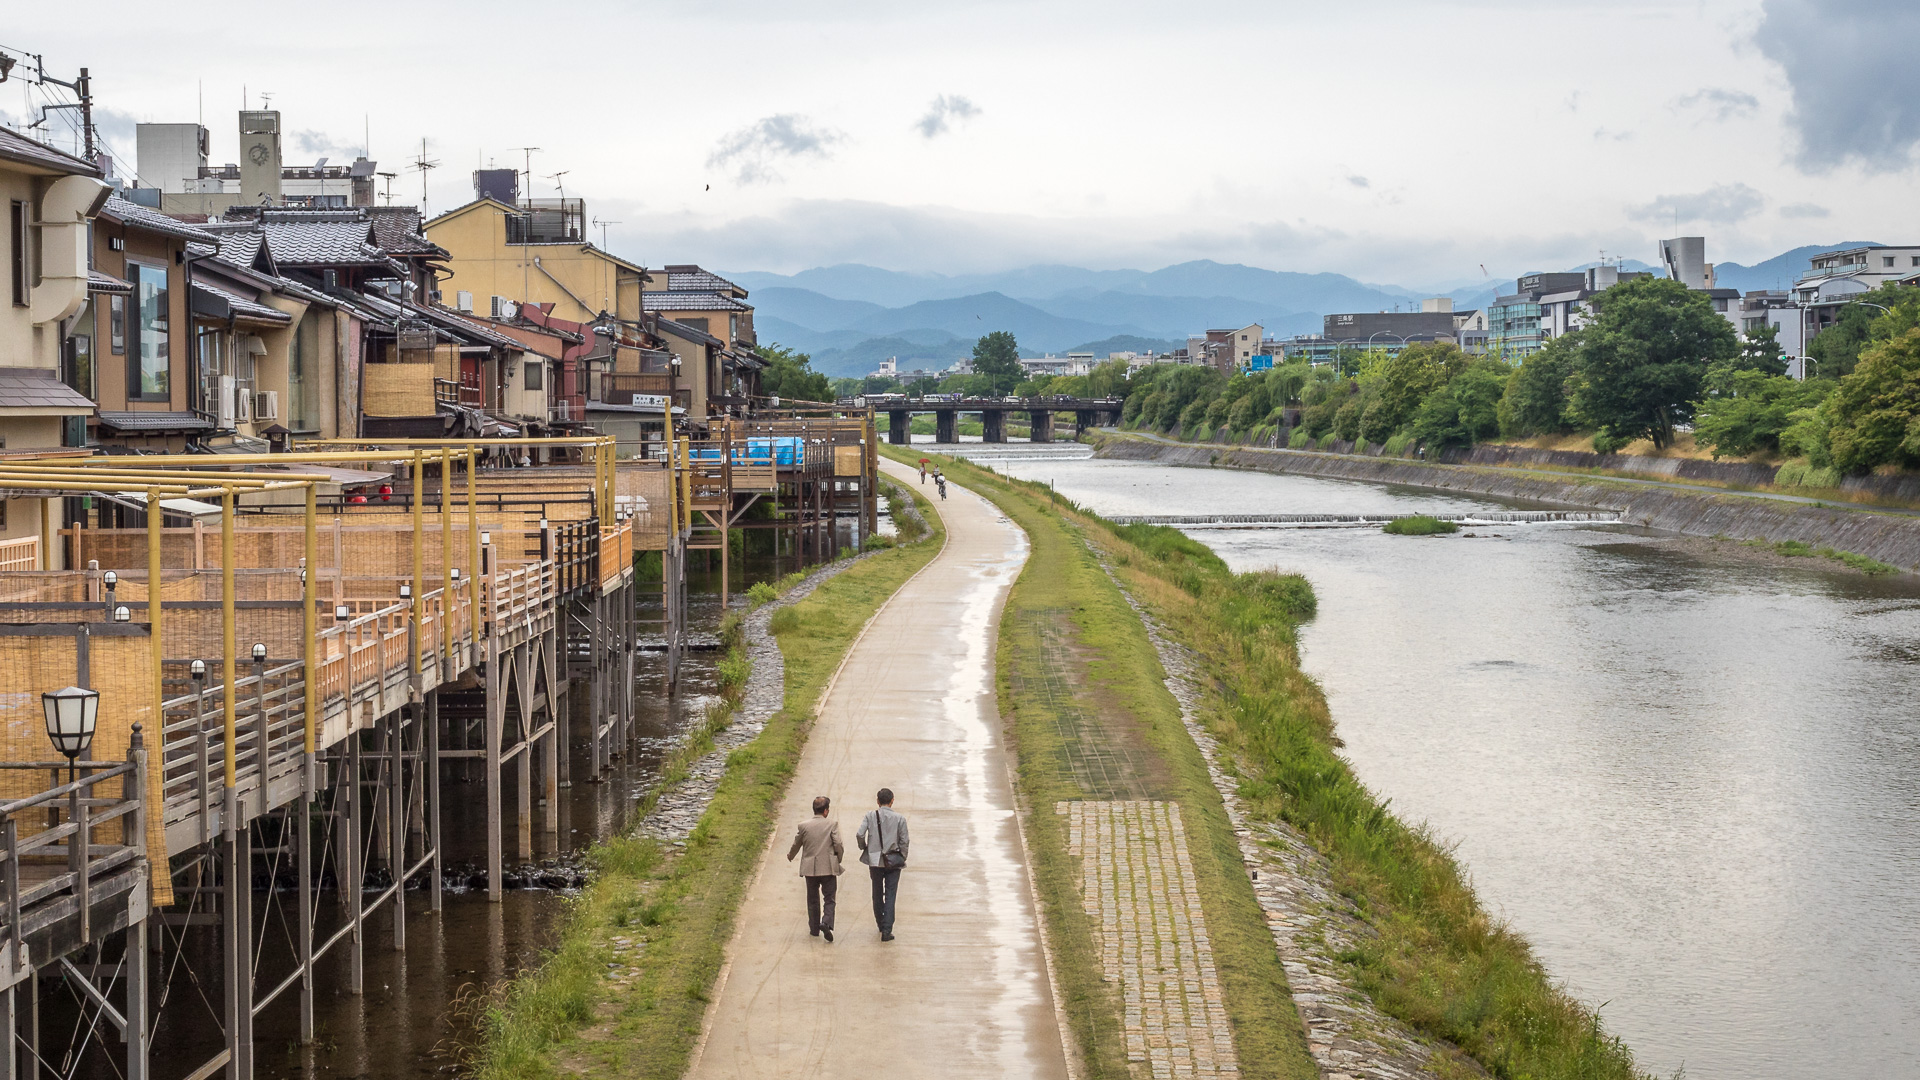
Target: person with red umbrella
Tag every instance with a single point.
(923, 472)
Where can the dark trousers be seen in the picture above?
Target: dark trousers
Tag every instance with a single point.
(820, 895)
(886, 891)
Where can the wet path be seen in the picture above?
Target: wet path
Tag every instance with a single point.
(963, 991)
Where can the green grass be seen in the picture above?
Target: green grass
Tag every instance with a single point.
(1440, 961)
(564, 1017)
(1800, 549)
(1122, 694)
(1419, 525)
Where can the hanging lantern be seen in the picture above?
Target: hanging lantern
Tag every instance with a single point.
(71, 717)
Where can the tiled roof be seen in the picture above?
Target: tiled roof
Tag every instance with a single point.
(38, 388)
(672, 300)
(682, 330)
(321, 243)
(106, 283)
(689, 278)
(396, 229)
(147, 422)
(243, 307)
(240, 248)
(140, 217)
(18, 148)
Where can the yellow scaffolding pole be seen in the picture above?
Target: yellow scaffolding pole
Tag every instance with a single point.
(446, 551)
(419, 556)
(159, 725)
(309, 597)
(473, 532)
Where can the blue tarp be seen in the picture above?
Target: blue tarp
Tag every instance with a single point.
(784, 449)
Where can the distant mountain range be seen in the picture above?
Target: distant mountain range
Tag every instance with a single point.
(851, 317)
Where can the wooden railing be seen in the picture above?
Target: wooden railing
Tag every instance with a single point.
(20, 554)
(54, 845)
(616, 552)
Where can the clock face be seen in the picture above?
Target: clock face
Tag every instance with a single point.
(259, 153)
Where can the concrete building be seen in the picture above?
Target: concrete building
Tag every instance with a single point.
(174, 177)
(1685, 258)
(1838, 277)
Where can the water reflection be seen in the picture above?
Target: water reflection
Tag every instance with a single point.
(1691, 778)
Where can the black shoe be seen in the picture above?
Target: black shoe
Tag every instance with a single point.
(886, 937)
(828, 934)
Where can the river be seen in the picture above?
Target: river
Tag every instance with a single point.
(1690, 778)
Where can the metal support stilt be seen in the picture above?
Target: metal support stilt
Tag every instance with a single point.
(237, 923)
(432, 735)
(134, 1034)
(397, 825)
(496, 720)
(301, 817)
(353, 875)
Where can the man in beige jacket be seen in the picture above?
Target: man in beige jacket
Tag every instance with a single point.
(817, 842)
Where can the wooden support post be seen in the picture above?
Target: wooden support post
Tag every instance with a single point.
(432, 767)
(354, 876)
(236, 920)
(134, 1033)
(301, 815)
(397, 824)
(496, 720)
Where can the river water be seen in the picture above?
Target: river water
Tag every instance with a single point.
(1691, 779)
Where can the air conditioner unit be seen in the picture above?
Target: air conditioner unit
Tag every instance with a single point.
(504, 308)
(242, 405)
(463, 301)
(266, 405)
(224, 401)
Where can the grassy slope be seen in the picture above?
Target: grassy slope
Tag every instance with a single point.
(1440, 962)
(1122, 687)
(564, 1015)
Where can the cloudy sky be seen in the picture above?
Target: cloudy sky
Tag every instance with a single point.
(1406, 142)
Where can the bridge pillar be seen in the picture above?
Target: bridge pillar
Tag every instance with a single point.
(1082, 420)
(946, 426)
(993, 425)
(1040, 427)
(899, 427)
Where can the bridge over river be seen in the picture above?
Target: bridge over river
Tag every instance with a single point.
(946, 409)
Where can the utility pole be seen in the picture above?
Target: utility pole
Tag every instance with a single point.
(424, 166)
(82, 88)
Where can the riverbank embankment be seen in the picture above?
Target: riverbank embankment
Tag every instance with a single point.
(1891, 538)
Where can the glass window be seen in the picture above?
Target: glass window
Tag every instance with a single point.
(535, 375)
(117, 324)
(148, 378)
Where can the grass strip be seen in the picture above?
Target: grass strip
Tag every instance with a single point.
(676, 907)
(1800, 549)
(1439, 961)
(1419, 525)
(1115, 694)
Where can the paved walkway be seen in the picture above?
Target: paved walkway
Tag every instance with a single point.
(963, 990)
(1137, 883)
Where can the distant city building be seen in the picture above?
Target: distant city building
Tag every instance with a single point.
(1389, 330)
(1226, 349)
(1838, 277)
(174, 177)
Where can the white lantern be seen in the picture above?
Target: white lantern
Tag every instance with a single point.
(71, 716)
(455, 574)
(259, 653)
(341, 612)
(197, 669)
(110, 579)
(122, 614)
(485, 538)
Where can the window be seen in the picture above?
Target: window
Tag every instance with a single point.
(1886, 260)
(76, 360)
(117, 324)
(147, 380)
(20, 270)
(1916, 260)
(536, 375)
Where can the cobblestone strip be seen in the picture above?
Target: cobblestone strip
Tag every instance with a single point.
(680, 806)
(1312, 922)
(1137, 881)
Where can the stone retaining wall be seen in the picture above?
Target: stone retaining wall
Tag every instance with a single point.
(1889, 537)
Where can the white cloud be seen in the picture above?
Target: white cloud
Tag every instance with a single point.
(1722, 204)
(1805, 210)
(1856, 89)
(1718, 104)
(751, 152)
(944, 111)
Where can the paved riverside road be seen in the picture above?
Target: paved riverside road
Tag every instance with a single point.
(962, 991)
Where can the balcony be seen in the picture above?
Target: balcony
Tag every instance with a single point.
(618, 388)
(1819, 272)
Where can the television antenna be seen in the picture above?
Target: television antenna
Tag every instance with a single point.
(558, 183)
(526, 156)
(603, 231)
(423, 165)
(388, 177)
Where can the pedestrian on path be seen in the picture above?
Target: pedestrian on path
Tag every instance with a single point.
(923, 472)
(940, 482)
(817, 842)
(883, 847)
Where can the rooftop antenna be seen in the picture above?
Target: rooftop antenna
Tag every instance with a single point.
(526, 155)
(424, 166)
(266, 99)
(388, 177)
(558, 183)
(603, 231)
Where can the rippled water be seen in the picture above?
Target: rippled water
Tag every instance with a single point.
(1691, 779)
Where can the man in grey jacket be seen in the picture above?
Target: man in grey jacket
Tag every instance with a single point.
(883, 847)
(817, 842)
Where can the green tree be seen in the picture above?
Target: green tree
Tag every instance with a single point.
(1644, 360)
(1406, 378)
(1874, 417)
(1836, 350)
(1752, 416)
(1535, 401)
(789, 375)
(1464, 411)
(997, 356)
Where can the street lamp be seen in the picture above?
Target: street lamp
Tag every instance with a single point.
(72, 715)
(121, 614)
(259, 653)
